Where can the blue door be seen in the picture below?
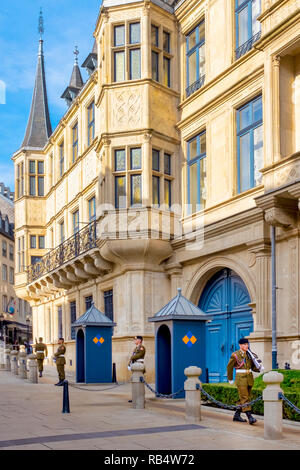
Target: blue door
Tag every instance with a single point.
(226, 298)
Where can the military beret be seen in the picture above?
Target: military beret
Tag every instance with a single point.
(243, 341)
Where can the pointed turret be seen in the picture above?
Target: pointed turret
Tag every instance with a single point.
(90, 63)
(76, 82)
(39, 127)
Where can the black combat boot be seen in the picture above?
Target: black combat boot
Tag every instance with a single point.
(41, 374)
(237, 417)
(250, 418)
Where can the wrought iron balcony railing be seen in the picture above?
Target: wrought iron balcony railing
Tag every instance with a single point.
(79, 243)
(247, 46)
(195, 86)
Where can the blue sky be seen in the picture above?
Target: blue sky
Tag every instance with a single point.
(67, 23)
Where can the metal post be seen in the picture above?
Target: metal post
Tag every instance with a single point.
(274, 333)
(66, 401)
(114, 375)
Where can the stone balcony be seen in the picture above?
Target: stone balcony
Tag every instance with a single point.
(132, 238)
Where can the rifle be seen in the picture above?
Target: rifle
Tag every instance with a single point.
(257, 362)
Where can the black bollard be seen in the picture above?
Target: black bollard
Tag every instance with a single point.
(66, 402)
(114, 374)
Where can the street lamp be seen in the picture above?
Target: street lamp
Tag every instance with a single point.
(28, 325)
(1, 325)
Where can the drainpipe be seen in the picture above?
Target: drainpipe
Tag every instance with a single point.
(273, 260)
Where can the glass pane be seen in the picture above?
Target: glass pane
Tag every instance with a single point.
(62, 232)
(91, 110)
(202, 31)
(119, 35)
(166, 72)
(203, 143)
(92, 209)
(245, 117)
(120, 160)
(167, 164)
(76, 221)
(202, 60)
(192, 66)
(91, 133)
(41, 186)
(32, 241)
(203, 188)
(32, 185)
(167, 190)
(193, 199)
(41, 242)
(192, 40)
(258, 154)
(154, 35)
(166, 41)
(193, 152)
(136, 189)
(155, 66)
(119, 66)
(120, 192)
(40, 168)
(257, 110)
(243, 27)
(256, 9)
(155, 190)
(135, 64)
(155, 160)
(136, 159)
(245, 166)
(31, 166)
(135, 33)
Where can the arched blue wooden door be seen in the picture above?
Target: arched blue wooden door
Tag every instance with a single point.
(226, 298)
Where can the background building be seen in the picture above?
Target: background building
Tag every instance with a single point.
(15, 316)
(169, 169)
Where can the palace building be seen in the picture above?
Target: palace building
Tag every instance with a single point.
(175, 165)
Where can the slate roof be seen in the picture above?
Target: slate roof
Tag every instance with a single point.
(93, 317)
(39, 127)
(180, 308)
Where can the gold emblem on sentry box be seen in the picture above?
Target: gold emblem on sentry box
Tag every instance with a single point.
(98, 340)
(189, 339)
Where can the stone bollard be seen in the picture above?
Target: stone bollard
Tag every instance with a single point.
(7, 359)
(138, 388)
(14, 362)
(22, 364)
(192, 394)
(272, 405)
(32, 364)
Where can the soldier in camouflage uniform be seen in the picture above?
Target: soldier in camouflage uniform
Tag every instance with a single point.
(243, 365)
(41, 352)
(60, 361)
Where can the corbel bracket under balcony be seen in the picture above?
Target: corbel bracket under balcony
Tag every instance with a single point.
(278, 211)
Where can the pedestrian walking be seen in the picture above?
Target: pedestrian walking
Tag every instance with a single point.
(243, 364)
(41, 353)
(60, 360)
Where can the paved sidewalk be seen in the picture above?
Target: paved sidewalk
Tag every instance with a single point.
(31, 418)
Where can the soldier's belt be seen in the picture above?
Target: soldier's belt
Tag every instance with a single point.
(243, 371)
(61, 355)
(40, 352)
